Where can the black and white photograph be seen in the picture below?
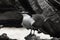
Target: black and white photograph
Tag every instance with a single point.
(29, 20)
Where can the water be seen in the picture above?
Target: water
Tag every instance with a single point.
(20, 33)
